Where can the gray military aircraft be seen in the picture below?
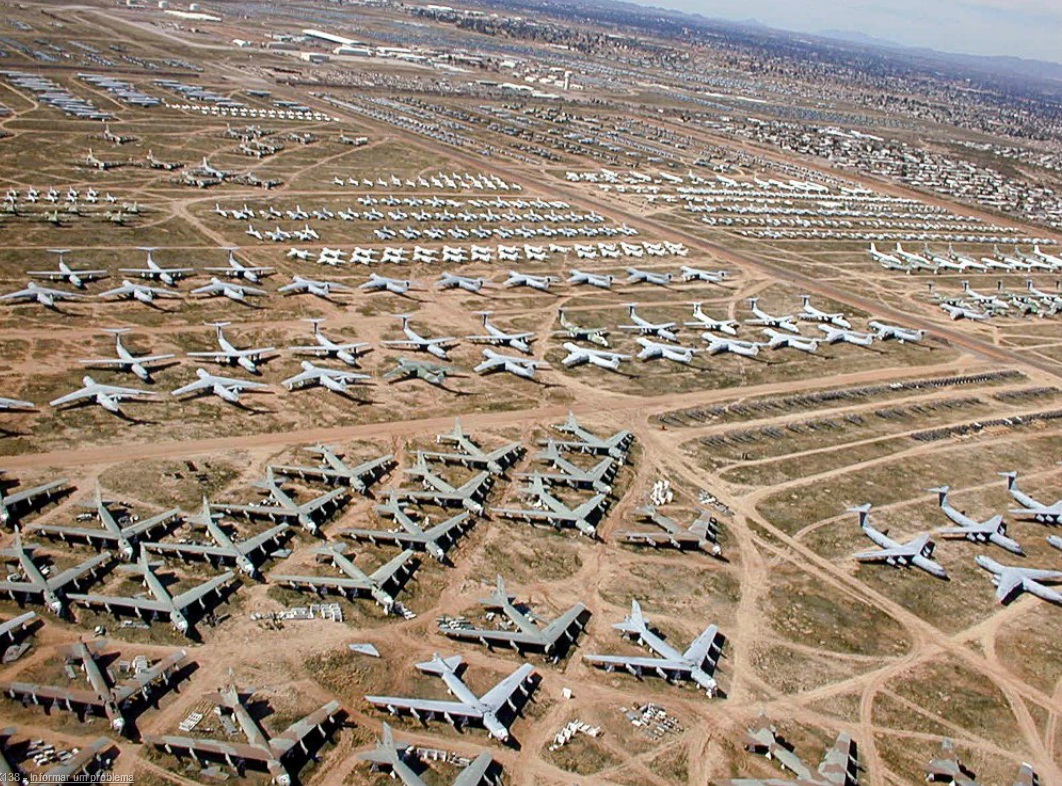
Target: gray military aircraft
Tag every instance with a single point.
(125, 360)
(839, 767)
(163, 603)
(946, 767)
(110, 535)
(541, 283)
(14, 506)
(811, 314)
(16, 628)
(49, 590)
(884, 331)
(599, 280)
(77, 278)
(334, 470)
(236, 269)
(577, 356)
(389, 755)
(432, 373)
(599, 477)
(472, 455)
(766, 741)
(283, 505)
(552, 638)
(587, 442)
(638, 275)
(549, 510)
(703, 533)
(653, 350)
(333, 379)
(835, 335)
(316, 287)
(916, 552)
(418, 536)
(246, 554)
(326, 347)
(573, 331)
(229, 289)
(274, 753)
(229, 355)
(141, 293)
(439, 491)
(761, 317)
(518, 366)
(703, 321)
(992, 530)
(495, 335)
(107, 396)
(452, 280)
(733, 346)
(115, 700)
(1011, 581)
(468, 707)
(226, 388)
(697, 663)
(378, 283)
(1045, 514)
(45, 296)
(16, 405)
(413, 340)
(381, 585)
(664, 330)
(154, 272)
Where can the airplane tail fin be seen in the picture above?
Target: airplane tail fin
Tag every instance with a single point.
(942, 494)
(864, 513)
(634, 622)
(1012, 479)
(441, 665)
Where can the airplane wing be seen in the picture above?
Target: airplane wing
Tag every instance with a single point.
(77, 395)
(488, 364)
(883, 554)
(191, 549)
(143, 680)
(301, 729)
(341, 583)
(199, 384)
(453, 709)
(334, 497)
(444, 528)
(118, 601)
(638, 662)
(260, 540)
(87, 534)
(73, 575)
(155, 522)
(479, 635)
(552, 632)
(31, 692)
(254, 511)
(702, 647)
(27, 495)
(498, 696)
(386, 573)
(196, 594)
(213, 748)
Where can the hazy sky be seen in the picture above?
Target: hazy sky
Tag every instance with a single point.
(1022, 28)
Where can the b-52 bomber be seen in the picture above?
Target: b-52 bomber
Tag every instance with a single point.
(599, 477)
(107, 396)
(587, 442)
(916, 552)
(992, 530)
(468, 707)
(326, 347)
(381, 585)
(163, 603)
(274, 753)
(439, 491)
(495, 335)
(697, 663)
(1010, 581)
(418, 536)
(284, 507)
(333, 470)
(472, 455)
(154, 272)
(110, 535)
(839, 767)
(49, 590)
(76, 278)
(1045, 514)
(413, 340)
(389, 755)
(126, 360)
(701, 534)
(552, 638)
(14, 506)
(573, 331)
(553, 512)
(228, 355)
(236, 269)
(115, 700)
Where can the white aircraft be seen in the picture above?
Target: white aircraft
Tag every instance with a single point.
(914, 260)
(325, 347)
(1045, 514)
(717, 345)
(1046, 297)
(16, 405)
(836, 335)
(957, 311)
(452, 280)
(126, 361)
(992, 530)
(665, 330)
(236, 269)
(636, 275)
(1010, 580)
(78, 278)
(232, 291)
(336, 380)
(652, 350)
(812, 314)
(916, 552)
(225, 388)
(886, 260)
(140, 292)
(540, 283)
(230, 355)
(43, 295)
(727, 326)
(167, 275)
(1048, 258)
(521, 367)
(991, 301)
(322, 289)
(599, 280)
(778, 340)
(495, 335)
(107, 396)
(761, 317)
(885, 331)
(413, 340)
(688, 273)
(376, 283)
(596, 357)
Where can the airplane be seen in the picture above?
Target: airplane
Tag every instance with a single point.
(232, 291)
(495, 335)
(14, 506)
(665, 330)
(958, 311)
(839, 767)
(336, 380)
(413, 535)
(946, 767)
(552, 637)
(413, 340)
(167, 275)
(226, 388)
(598, 477)
(1026, 776)
(472, 455)
(322, 289)
(991, 301)
(468, 706)
(688, 273)
(355, 582)
(236, 269)
(697, 535)
(77, 278)
(333, 470)
(778, 340)
(884, 331)
(812, 314)
(376, 282)
(593, 279)
(389, 755)
(439, 491)
(245, 554)
(50, 590)
(697, 663)
(229, 355)
(541, 283)
(519, 366)
(992, 530)
(636, 275)
(587, 442)
(107, 396)
(571, 330)
(1045, 514)
(110, 535)
(761, 317)
(45, 296)
(840, 335)
(283, 505)
(886, 260)
(432, 373)
(915, 261)
(452, 280)
(262, 749)
(702, 320)
(140, 292)
(16, 405)
(578, 355)
(1048, 258)
(916, 552)
(325, 347)
(126, 361)
(1010, 580)
(1046, 297)
(549, 510)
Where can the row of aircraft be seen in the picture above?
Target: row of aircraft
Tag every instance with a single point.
(955, 262)
(980, 306)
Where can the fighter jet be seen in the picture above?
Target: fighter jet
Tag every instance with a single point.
(107, 396)
(916, 552)
(598, 477)
(379, 585)
(1045, 514)
(333, 470)
(812, 314)
(1010, 581)
(586, 441)
(325, 347)
(110, 535)
(596, 357)
(439, 491)
(884, 331)
(396, 757)
(519, 366)
(125, 360)
(688, 273)
(229, 355)
(839, 767)
(495, 335)
(702, 534)
(992, 530)
(761, 317)
(599, 280)
(245, 554)
(33, 585)
(336, 380)
(321, 289)
(702, 320)
(418, 536)
(14, 506)
(468, 707)
(697, 663)
(77, 278)
(225, 388)
(283, 506)
(432, 373)
(541, 283)
(777, 340)
(452, 280)
(152, 271)
(236, 269)
(637, 276)
(550, 511)
(664, 330)
(139, 292)
(413, 340)
(43, 295)
(946, 767)
(529, 631)
(229, 289)
(272, 752)
(472, 455)
(376, 283)
(840, 335)
(571, 330)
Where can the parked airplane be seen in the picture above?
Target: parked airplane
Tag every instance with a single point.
(396, 758)
(325, 347)
(571, 330)
(599, 477)
(125, 360)
(1045, 514)
(664, 330)
(452, 280)
(45, 296)
(812, 314)
(229, 355)
(761, 317)
(413, 340)
(153, 271)
(77, 278)
(586, 441)
(697, 663)
(418, 536)
(946, 767)
(376, 282)
(839, 767)
(777, 340)
(884, 332)
(701, 534)
(702, 320)
(916, 552)
(636, 275)
(14, 506)
(495, 335)
(547, 509)
(578, 355)
(50, 590)
(333, 470)
(541, 283)
(236, 269)
(992, 530)
(225, 388)
(472, 455)
(232, 291)
(432, 373)
(1010, 581)
(139, 292)
(886, 260)
(380, 585)
(840, 335)
(335, 380)
(598, 280)
(107, 396)
(283, 506)
(321, 289)
(468, 706)
(959, 311)
(439, 491)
